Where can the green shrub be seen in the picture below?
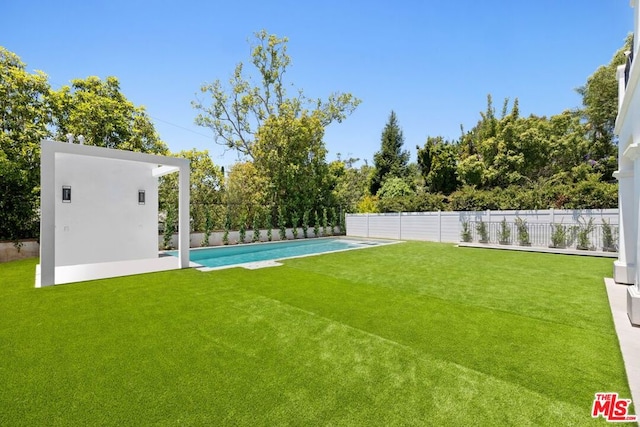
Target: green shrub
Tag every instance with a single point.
(481, 228)
(396, 204)
(342, 222)
(368, 204)
(208, 225)
(242, 230)
(558, 236)
(268, 223)
(256, 226)
(394, 187)
(332, 220)
(470, 199)
(608, 244)
(505, 232)
(305, 224)
(294, 225)
(466, 231)
(593, 194)
(324, 221)
(227, 226)
(523, 232)
(282, 224)
(429, 202)
(169, 228)
(584, 230)
(316, 226)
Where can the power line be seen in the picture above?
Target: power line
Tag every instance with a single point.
(181, 127)
(154, 118)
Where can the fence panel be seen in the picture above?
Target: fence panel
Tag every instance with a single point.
(386, 226)
(580, 227)
(420, 226)
(451, 227)
(358, 224)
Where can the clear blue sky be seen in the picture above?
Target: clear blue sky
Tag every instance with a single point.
(433, 62)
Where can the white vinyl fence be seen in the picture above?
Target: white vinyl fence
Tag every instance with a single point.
(447, 226)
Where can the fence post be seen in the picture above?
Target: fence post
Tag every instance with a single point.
(552, 215)
(367, 224)
(439, 226)
(400, 225)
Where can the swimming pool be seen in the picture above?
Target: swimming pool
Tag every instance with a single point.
(224, 256)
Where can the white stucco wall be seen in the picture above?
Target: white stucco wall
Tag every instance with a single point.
(104, 221)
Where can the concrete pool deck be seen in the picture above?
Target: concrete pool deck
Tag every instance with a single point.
(628, 337)
(105, 270)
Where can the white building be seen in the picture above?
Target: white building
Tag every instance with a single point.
(628, 175)
(99, 213)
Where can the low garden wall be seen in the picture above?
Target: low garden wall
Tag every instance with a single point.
(31, 248)
(588, 229)
(9, 251)
(216, 238)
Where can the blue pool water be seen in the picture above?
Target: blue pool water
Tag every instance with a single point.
(231, 255)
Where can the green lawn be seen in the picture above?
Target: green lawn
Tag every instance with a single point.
(407, 334)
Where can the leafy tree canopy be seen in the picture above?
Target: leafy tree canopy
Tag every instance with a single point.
(99, 111)
(31, 111)
(206, 180)
(24, 117)
(350, 184)
(437, 163)
(238, 110)
(246, 193)
(600, 104)
(290, 153)
(394, 187)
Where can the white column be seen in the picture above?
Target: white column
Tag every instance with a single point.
(624, 266)
(47, 214)
(621, 84)
(633, 294)
(636, 208)
(636, 21)
(183, 216)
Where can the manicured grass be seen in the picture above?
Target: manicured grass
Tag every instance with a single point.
(407, 334)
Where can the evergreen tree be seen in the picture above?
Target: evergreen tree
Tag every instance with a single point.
(391, 160)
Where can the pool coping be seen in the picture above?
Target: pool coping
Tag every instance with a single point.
(254, 265)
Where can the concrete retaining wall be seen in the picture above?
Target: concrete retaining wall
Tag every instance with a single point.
(9, 251)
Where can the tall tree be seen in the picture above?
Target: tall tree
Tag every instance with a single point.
(24, 117)
(600, 108)
(290, 153)
(391, 160)
(99, 111)
(349, 183)
(437, 163)
(245, 194)
(206, 180)
(238, 111)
